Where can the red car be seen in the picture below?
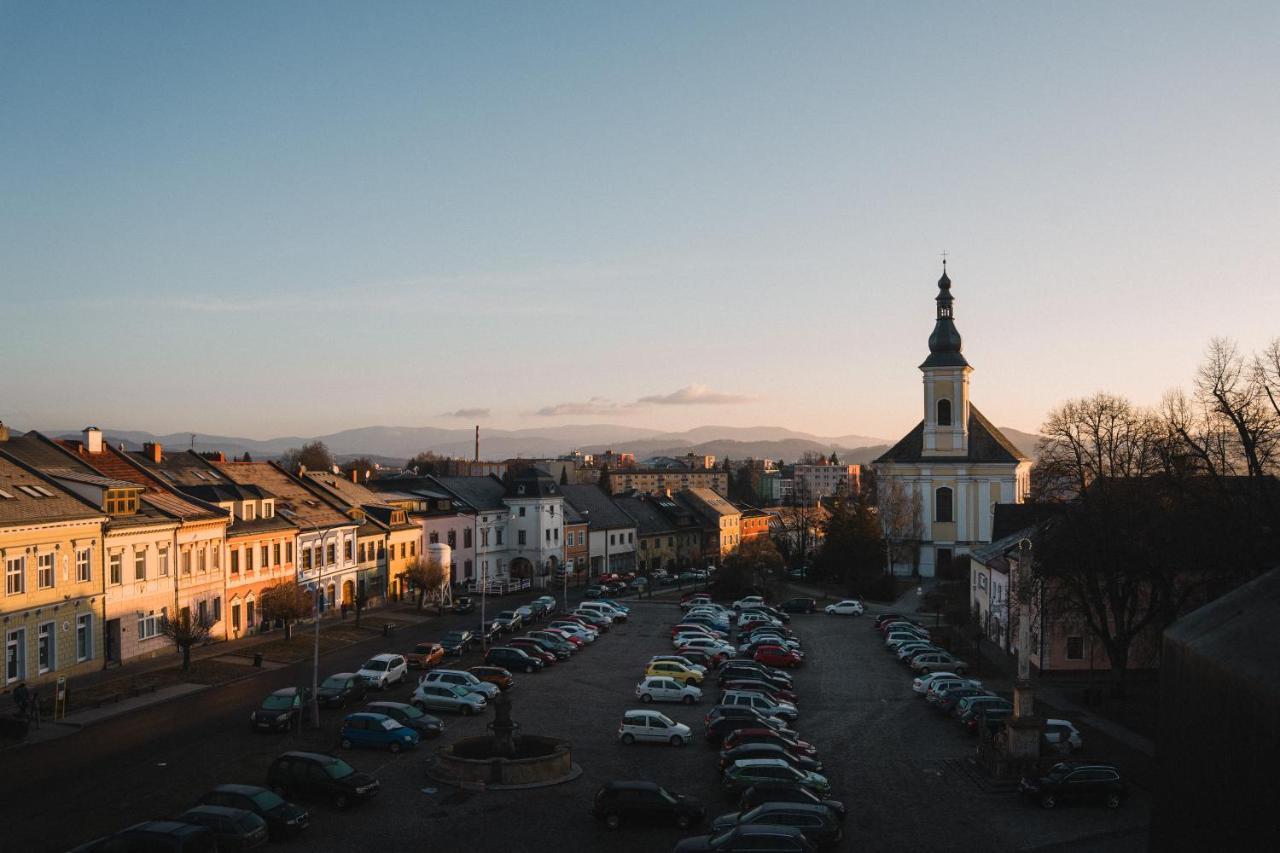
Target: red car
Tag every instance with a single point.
(533, 650)
(587, 623)
(776, 656)
(695, 628)
(738, 737)
(774, 693)
(577, 641)
(702, 658)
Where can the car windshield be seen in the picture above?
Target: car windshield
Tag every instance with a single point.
(378, 665)
(457, 691)
(410, 712)
(388, 725)
(267, 800)
(664, 719)
(339, 769)
(278, 703)
(249, 822)
(337, 682)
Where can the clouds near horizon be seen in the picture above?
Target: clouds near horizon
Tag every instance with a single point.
(468, 413)
(689, 395)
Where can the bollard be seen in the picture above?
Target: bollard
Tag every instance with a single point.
(257, 659)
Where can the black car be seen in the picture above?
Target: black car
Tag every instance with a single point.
(772, 837)
(509, 620)
(701, 658)
(407, 715)
(515, 660)
(284, 819)
(336, 690)
(645, 804)
(817, 822)
(233, 829)
(799, 605)
(281, 710)
(311, 774)
(456, 642)
(782, 792)
(155, 836)
(717, 729)
(768, 750)
(562, 651)
(771, 612)
(1076, 781)
(744, 670)
(488, 632)
(593, 592)
(463, 605)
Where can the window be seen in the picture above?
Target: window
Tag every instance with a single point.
(139, 564)
(202, 612)
(944, 413)
(520, 537)
(84, 637)
(1075, 648)
(15, 656)
(121, 503)
(466, 568)
(248, 612)
(306, 559)
(943, 561)
(275, 552)
(164, 562)
(631, 538)
(348, 549)
(202, 561)
(413, 549)
(613, 539)
(248, 559)
(942, 505)
(217, 609)
(582, 535)
(466, 538)
(498, 533)
(84, 573)
(331, 551)
(268, 509)
(45, 655)
(361, 552)
(288, 552)
(557, 534)
(484, 538)
(235, 617)
(548, 532)
(186, 561)
(453, 539)
(266, 556)
(235, 561)
(114, 571)
(433, 538)
(148, 626)
(522, 512)
(44, 571)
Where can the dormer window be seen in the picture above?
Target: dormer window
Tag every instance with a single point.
(268, 509)
(121, 502)
(248, 511)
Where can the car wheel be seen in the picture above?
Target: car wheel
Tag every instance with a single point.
(346, 743)
(645, 697)
(628, 738)
(340, 801)
(1048, 801)
(688, 700)
(676, 740)
(1113, 801)
(529, 669)
(683, 821)
(395, 746)
(613, 821)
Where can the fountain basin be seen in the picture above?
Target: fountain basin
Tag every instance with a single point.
(537, 761)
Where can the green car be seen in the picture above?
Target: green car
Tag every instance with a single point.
(771, 771)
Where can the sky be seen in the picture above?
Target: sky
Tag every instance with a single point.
(277, 218)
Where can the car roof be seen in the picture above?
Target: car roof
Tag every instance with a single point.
(343, 675)
(173, 827)
(1066, 723)
(237, 788)
(631, 786)
(768, 829)
(224, 811)
(285, 691)
(310, 756)
(367, 715)
(400, 706)
(762, 762)
(385, 656)
(448, 672)
(815, 808)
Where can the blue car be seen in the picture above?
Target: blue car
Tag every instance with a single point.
(378, 731)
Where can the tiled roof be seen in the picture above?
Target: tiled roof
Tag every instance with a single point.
(649, 519)
(352, 494)
(1013, 518)
(986, 444)
(708, 501)
(482, 493)
(601, 511)
(178, 469)
(27, 497)
(293, 499)
(91, 479)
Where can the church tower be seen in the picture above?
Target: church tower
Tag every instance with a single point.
(946, 382)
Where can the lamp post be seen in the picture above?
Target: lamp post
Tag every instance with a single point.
(315, 660)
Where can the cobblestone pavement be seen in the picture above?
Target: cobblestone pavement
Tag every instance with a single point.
(898, 766)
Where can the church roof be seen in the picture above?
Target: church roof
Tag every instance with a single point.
(986, 444)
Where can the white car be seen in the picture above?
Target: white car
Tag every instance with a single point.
(595, 614)
(922, 683)
(652, 726)
(1062, 736)
(381, 671)
(848, 607)
(659, 688)
(749, 601)
(577, 630)
(683, 661)
(463, 679)
(703, 643)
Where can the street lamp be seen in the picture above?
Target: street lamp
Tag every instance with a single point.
(315, 604)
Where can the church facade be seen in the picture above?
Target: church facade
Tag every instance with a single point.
(955, 465)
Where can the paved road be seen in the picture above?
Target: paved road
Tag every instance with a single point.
(889, 758)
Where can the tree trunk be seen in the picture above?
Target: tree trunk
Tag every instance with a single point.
(186, 657)
(1119, 659)
(288, 629)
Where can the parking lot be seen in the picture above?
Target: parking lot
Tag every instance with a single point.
(897, 765)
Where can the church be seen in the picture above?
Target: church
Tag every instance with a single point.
(955, 465)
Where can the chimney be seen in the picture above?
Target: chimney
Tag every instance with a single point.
(4, 432)
(93, 439)
(477, 442)
(355, 475)
(153, 451)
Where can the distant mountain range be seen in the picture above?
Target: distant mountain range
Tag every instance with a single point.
(396, 444)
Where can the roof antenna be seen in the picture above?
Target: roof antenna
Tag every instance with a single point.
(193, 441)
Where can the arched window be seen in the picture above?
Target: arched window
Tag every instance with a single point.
(944, 413)
(942, 505)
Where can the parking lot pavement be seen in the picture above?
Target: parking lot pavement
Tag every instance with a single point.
(889, 758)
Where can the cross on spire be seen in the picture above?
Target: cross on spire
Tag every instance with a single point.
(943, 254)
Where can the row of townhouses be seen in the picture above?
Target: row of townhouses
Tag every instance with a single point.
(101, 545)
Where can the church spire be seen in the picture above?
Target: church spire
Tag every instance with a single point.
(944, 343)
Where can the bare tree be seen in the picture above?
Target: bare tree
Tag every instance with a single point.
(186, 631)
(754, 565)
(314, 456)
(427, 577)
(1097, 437)
(901, 522)
(286, 602)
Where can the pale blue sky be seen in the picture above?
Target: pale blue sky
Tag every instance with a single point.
(271, 218)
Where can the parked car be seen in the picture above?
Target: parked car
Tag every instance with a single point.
(534, 649)
(748, 601)
(489, 632)
(947, 701)
(749, 669)
(939, 690)
(761, 702)
(376, 730)
(777, 656)
(907, 651)
(744, 751)
(637, 726)
(595, 622)
(545, 604)
(765, 610)
(748, 685)
(938, 661)
(970, 717)
(512, 659)
(463, 679)
(425, 655)
(645, 803)
(381, 671)
(751, 715)
(686, 627)
(457, 642)
(1062, 736)
(921, 683)
(528, 615)
(773, 792)
(1076, 781)
(596, 618)
(717, 728)
(975, 703)
(772, 837)
(284, 819)
(437, 696)
(463, 604)
(639, 584)
(281, 710)
(710, 645)
(407, 715)
(337, 690)
(318, 776)
(159, 835)
(991, 717)
(660, 688)
(592, 592)
(560, 648)
(495, 675)
(233, 829)
(508, 621)
(702, 657)
(676, 671)
(682, 660)
(800, 605)
(552, 633)
(740, 737)
(744, 774)
(816, 822)
(577, 629)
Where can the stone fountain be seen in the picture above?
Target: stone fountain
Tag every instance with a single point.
(506, 758)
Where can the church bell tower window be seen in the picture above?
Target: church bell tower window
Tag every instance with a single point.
(944, 413)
